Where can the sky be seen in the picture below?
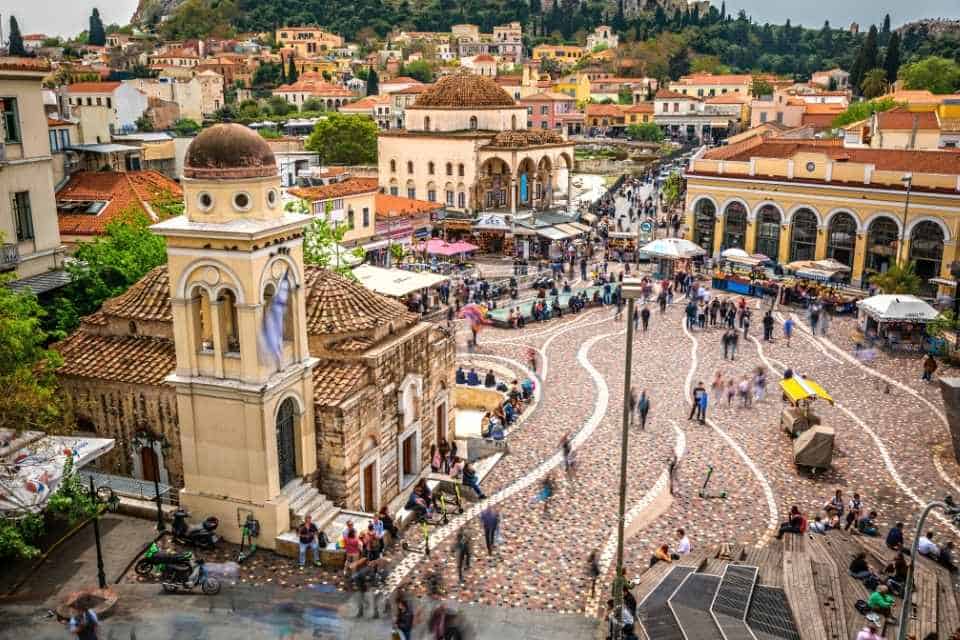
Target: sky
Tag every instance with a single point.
(68, 17)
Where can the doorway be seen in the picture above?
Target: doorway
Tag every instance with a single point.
(149, 464)
(286, 448)
(441, 423)
(368, 505)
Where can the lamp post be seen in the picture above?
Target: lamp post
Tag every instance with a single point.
(101, 576)
(630, 289)
(908, 181)
(951, 509)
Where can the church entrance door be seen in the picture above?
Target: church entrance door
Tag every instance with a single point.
(286, 449)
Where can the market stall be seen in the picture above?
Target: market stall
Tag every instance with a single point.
(898, 320)
(410, 287)
(813, 444)
(670, 251)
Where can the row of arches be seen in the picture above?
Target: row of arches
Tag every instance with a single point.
(926, 237)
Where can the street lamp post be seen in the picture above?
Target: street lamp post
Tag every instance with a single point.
(101, 576)
(951, 509)
(908, 181)
(630, 289)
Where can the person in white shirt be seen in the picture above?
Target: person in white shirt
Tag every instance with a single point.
(927, 547)
(683, 546)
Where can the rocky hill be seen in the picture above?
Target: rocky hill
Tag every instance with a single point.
(151, 11)
(934, 28)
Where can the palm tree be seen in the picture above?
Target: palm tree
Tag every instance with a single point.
(874, 83)
(898, 279)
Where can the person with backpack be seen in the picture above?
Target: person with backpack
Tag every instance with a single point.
(643, 408)
(84, 622)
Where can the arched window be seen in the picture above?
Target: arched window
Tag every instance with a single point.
(803, 235)
(426, 123)
(286, 435)
(460, 169)
(513, 122)
(430, 168)
(202, 326)
(926, 251)
(734, 226)
(841, 238)
(449, 169)
(229, 324)
(393, 166)
(473, 122)
(704, 223)
(409, 167)
(462, 200)
(768, 232)
(882, 236)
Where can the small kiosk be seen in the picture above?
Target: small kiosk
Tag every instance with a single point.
(898, 320)
(813, 442)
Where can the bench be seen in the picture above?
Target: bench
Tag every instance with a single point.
(768, 561)
(841, 549)
(804, 602)
(922, 613)
(826, 583)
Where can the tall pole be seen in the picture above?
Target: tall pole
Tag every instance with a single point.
(908, 180)
(101, 576)
(621, 521)
(914, 557)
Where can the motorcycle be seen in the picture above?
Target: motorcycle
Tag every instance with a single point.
(154, 561)
(202, 536)
(186, 577)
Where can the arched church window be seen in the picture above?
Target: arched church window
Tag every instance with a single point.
(473, 122)
(229, 322)
(203, 328)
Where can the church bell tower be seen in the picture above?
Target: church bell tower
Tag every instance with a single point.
(244, 375)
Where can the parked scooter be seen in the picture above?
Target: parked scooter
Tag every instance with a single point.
(202, 536)
(187, 576)
(154, 561)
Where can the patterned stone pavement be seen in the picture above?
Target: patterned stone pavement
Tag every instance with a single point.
(885, 445)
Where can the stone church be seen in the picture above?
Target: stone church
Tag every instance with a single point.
(348, 401)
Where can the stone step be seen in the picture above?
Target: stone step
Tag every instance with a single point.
(309, 503)
(292, 487)
(298, 492)
(325, 515)
(302, 499)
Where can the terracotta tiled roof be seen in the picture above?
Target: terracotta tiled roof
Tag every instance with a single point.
(365, 104)
(668, 94)
(334, 382)
(825, 108)
(484, 57)
(93, 87)
(818, 120)
(400, 80)
(901, 119)
(729, 98)
(132, 359)
(336, 305)
(941, 162)
(729, 78)
(604, 111)
(122, 191)
(525, 138)
(314, 87)
(415, 89)
(13, 63)
(147, 299)
(389, 206)
(548, 96)
(465, 90)
(348, 187)
(640, 107)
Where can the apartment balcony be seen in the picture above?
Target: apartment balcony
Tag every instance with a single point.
(9, 256)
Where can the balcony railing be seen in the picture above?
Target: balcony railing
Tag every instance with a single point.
(9, 256)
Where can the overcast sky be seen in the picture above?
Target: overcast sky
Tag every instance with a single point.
(68, 17)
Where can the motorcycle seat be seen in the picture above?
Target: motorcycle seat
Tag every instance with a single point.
(171, 557)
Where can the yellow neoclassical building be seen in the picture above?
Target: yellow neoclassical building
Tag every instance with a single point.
(814, 199)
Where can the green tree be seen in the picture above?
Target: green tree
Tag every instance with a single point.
(31, 399)
(858, 111)
(646, 132)
(144, 123)
(874, 83)
(678, 64)
(19, 534)
(292, 74)
(625, 95)
(15, 43)
(107, 266)
(186, 127)
(935, 74)
(673, 190)
(279, 106)
(311, 104)
(344, 139)
(194, 19)
(97, 35)
(760, 87)
(898, 279)
(419, 70)
(891, 63)
(268, 76)
(322, 240)
(373, 82)
(550, 65)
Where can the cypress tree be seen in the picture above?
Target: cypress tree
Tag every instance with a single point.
(373, 83)
(885, 31)
(891, 63)
(96, 35)
(292, 74)
(15, 46)
(871, 50)
(723, 11)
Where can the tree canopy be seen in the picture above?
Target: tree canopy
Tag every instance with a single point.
(15, 39)
(935, 74)
(858, 111)
(645, 132)
(96, 34)
(344, 139)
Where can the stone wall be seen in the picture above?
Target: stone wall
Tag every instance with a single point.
(117, 410)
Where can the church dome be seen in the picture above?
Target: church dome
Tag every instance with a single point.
(464, 90)
(229, 151)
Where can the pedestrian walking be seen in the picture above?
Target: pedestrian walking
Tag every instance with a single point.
(743, 389)
(929, 367)
(696, 410)
(463, 553)
(84, 622)
(768, 326)
(745, 322)
(717, 387)
(490, 519)
(643, 408)
(593, 570)
(645, 318)
(760, 384)
(731, 390)
(788, 329)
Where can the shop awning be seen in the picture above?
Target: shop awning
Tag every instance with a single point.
(376, 244)
(898, 307)
(582, 227)
(553, 233)
(590, 218)
(32, 464)
(569, 229)
(797, 389)
(396, 282)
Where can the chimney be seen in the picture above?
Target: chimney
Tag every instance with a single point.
(913, 131)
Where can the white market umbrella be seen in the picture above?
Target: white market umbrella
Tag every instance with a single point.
(898, 307)
(673, 249)
(734, 253)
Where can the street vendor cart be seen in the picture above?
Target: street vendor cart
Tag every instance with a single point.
(813, 442)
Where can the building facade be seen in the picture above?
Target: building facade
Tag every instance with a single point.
(124, 102)
(307, 41)
(814, 199)
(547, 110)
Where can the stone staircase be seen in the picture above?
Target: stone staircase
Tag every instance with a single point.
(306, 500)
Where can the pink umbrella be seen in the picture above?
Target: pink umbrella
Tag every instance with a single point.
(436, 246)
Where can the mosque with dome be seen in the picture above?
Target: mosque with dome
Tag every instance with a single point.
(466, 145)
(251, 383)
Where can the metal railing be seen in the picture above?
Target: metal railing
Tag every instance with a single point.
(133, 487)
(9, 256)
